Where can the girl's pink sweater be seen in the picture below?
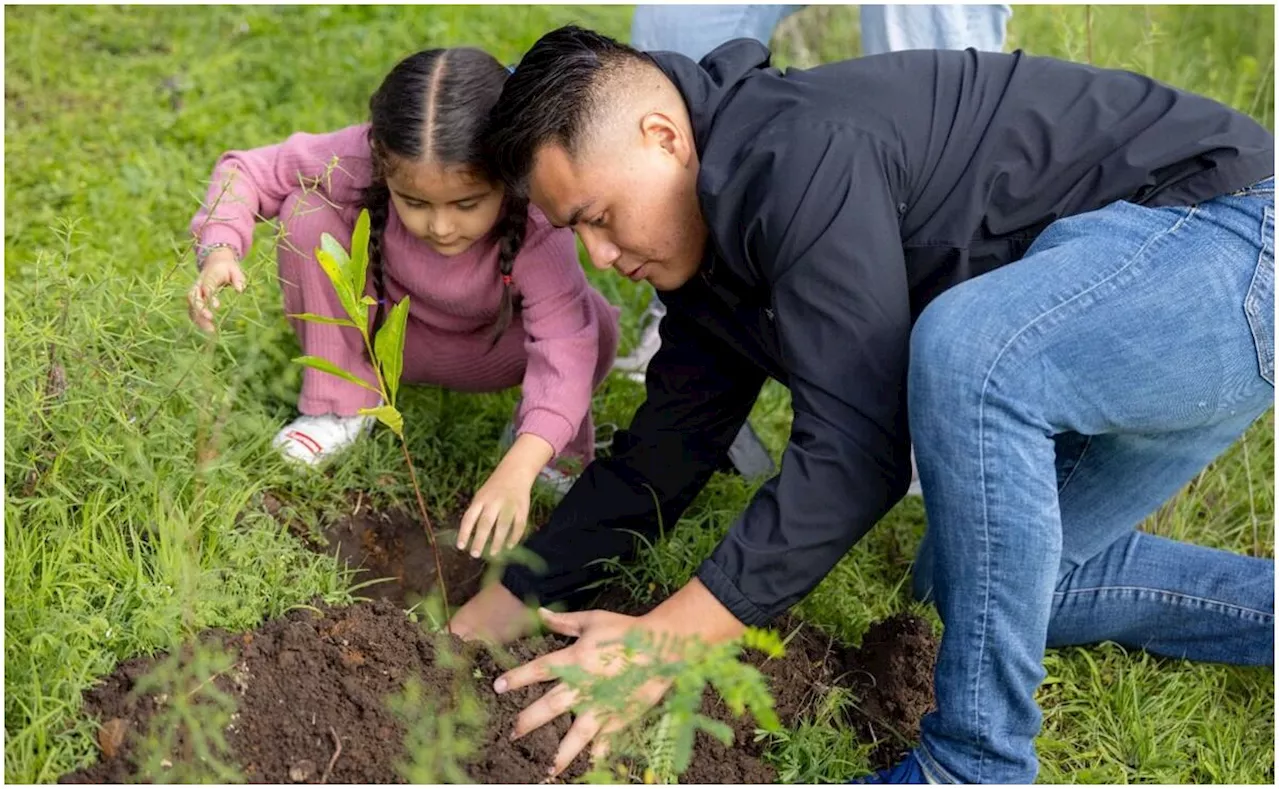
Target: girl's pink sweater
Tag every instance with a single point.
(458, 295)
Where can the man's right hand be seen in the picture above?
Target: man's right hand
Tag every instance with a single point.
(494, 615)
(220, 269)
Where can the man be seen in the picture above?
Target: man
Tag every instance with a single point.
(695, 30)
(1064, 274)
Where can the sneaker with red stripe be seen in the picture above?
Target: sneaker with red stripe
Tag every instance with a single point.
(311, 440)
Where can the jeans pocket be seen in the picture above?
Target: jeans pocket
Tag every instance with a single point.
(1259, 302)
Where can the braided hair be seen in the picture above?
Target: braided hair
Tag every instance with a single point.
(438, 101)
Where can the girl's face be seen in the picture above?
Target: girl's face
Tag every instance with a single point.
(449, 207)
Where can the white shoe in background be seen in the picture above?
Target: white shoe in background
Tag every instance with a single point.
(635, 364)
(311, 440)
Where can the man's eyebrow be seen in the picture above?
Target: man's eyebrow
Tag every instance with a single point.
(575, 216)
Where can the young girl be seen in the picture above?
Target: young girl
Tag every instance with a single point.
(497, 297)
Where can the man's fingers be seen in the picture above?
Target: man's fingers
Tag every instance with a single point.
(552, 705)
(600, 749)
(533, 672)
(579, 736)
(569, 624)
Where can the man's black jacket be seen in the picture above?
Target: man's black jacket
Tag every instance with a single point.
(840, 201)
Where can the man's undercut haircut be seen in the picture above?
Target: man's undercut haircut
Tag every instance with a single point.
(557, 95)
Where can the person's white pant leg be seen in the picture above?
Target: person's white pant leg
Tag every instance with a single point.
(893, 28)
(695, 30)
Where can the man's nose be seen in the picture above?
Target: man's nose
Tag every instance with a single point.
(602, 253)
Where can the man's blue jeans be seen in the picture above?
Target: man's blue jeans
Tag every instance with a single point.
(695, 30)
(1054, 404)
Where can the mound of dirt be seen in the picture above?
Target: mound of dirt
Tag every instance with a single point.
(299, 677)
(303, 680)
(891, 676)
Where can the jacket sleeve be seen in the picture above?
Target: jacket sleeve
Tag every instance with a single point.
(698, 394)
(826, 238)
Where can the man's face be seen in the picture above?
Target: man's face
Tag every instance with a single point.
(631, 199)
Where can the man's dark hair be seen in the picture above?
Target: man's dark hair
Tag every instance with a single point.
(551, 97)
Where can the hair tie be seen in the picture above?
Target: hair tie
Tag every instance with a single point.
(511, 69)
(506, 280)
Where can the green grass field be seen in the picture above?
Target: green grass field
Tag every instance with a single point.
(133, 482)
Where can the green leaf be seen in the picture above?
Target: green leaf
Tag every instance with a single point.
(388, 416)
(334, 271)
(326, 366)
(388, 346)
(358, 268)
(313, 318)
(682, 748)
(369, 301)
(330, 244)
(721, 731)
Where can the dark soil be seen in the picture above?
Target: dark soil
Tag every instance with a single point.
(301, 679)
(891, 675)
(393, 546)
(300, 676)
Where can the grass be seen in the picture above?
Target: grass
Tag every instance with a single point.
(133, 490)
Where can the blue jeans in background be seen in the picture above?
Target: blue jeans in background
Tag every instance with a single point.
(695, 30)
(1054, 404)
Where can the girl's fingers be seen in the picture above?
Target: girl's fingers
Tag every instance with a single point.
(501, 528)
(518, 528)
(468, 523)
(484, 527)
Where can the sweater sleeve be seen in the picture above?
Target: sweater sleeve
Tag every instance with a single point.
(561, 323)
(251, 185)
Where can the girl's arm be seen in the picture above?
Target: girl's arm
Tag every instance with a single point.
(251, 185)
(563, 343)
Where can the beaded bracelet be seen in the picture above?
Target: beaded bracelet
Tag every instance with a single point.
(203, 252)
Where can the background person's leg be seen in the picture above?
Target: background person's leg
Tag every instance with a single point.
(1127, 321)
(893, 28)
(695, 30)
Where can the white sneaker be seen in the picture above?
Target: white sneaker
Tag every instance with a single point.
(635, 364)
(311, 440)
(555, 481)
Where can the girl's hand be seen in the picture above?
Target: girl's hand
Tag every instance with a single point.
(501, 507)
(220, 269)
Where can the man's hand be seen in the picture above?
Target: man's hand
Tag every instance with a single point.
(691, 611)
(493, 615)
(597, 650)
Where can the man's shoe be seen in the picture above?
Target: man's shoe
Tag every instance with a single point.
(907, 771)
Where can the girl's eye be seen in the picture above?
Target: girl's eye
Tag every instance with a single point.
(468, 205)
(598, 221)
(415, 203)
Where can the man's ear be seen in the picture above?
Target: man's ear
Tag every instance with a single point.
(661, 131)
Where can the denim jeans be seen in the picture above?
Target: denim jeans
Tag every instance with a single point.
(1055, 403)
(695, 30)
